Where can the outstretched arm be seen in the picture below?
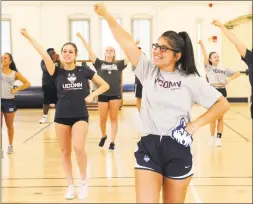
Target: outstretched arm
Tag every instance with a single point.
(203, 50)
(232, 38)
(43, 53)
(87, 47)
(124, 39)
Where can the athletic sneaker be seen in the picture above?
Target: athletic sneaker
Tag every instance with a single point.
(218, 142)
(112, 146)
(102, 141)
(83, 191)
(10, 149)
(70, 194)
(43, 119)
(211, 141)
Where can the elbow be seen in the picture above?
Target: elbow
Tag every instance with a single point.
(107, 86)
(28, 84)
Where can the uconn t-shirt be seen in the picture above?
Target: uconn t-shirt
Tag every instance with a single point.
(167, 100)
(111, 73)
(72, 88)
(217, 75)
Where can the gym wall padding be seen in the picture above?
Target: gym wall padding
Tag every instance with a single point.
(30, 98)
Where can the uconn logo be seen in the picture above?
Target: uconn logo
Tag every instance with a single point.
(179, 133)
(72, 85)
(218, 71)
(173, 85)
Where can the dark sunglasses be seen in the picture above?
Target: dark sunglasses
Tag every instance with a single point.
(163, 48)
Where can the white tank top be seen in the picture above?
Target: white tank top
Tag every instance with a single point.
(8, 81)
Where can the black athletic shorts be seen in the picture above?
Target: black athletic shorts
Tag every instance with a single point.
(223, 91)
(138, 90)
(165, 156)
(70, 121)
(49, 94)
(8, 105)
(102, 98)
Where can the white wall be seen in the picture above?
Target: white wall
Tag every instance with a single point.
(48, 23)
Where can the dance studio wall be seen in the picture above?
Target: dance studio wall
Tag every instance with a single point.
(48, 22)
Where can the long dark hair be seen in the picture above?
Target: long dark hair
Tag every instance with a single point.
(181, 42)
(210, 55)
(12, 64)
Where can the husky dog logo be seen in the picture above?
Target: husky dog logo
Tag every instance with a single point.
(180, 135)
(71, 78)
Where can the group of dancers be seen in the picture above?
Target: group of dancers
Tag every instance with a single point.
(168, 86)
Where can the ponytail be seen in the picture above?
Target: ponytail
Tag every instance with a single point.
(187, 60)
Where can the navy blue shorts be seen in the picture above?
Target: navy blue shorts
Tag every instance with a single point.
(102, 98)
(70, 121)
(8, 105)
(165, 156)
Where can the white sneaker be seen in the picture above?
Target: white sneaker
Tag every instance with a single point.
(70, 194)
(211, 141)
(10, 149)
(83, 191)
(43, 119)
(218, 142)
(2, 153)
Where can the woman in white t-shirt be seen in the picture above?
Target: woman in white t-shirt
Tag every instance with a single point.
(219, 78)
(170, 88)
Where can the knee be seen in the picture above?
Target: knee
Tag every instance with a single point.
(220, 120)
(10, 126)
(78, 150)
(103, 120)
(114, 121)
(65, 153)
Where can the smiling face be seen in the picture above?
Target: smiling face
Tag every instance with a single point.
(110, 54)
(214, 58)
(163, 54)
(6, 60)
(69, 53)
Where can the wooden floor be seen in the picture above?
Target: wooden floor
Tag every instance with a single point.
(33, 173)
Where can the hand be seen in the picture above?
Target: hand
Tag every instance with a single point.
(100, 9)
(192, 127)
(24, 32)
(90, 98)
(228, 80)
(200, 42)
(13, 91)
(216, 23)
(79, 35)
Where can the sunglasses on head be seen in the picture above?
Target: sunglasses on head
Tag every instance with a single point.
(163, 48)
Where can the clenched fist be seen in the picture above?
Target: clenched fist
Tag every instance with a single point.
(100, 9)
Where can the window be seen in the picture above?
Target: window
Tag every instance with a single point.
(5, 36)
(141, 30)
(82, 26)
(108, 39)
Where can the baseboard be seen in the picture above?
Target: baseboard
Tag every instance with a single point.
(237, 100)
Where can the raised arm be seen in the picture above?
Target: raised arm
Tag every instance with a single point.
(232, 38)
(43, 53)
(124, 39)
(87, 47)
(203, 50)
(126, 60)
